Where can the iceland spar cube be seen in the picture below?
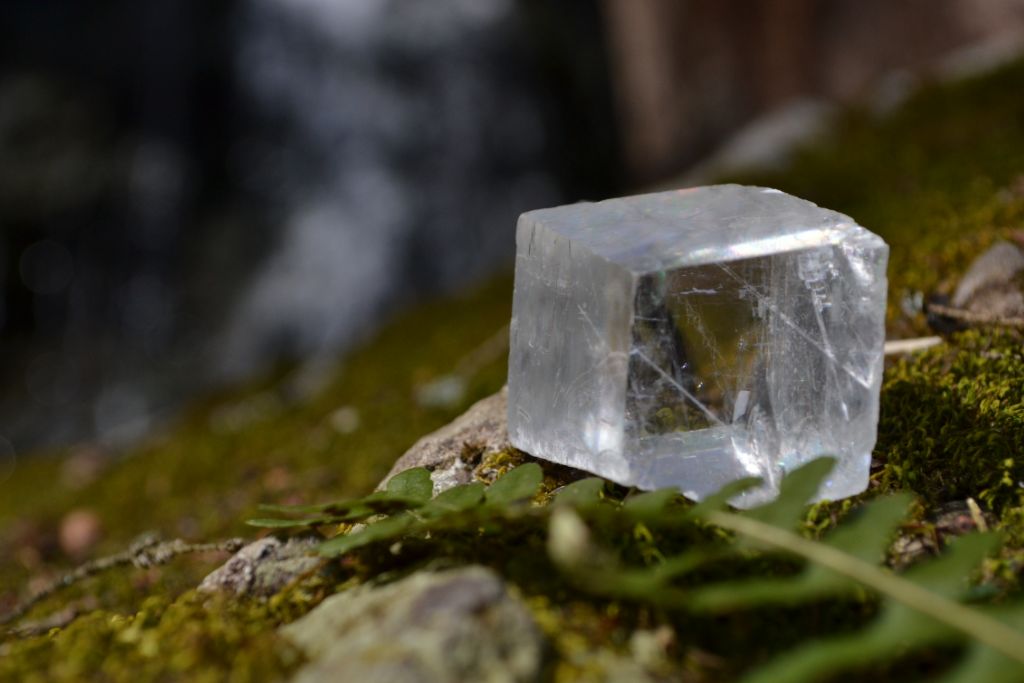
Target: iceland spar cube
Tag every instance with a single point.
(694, 337)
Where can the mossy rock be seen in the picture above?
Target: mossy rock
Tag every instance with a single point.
(940, 179)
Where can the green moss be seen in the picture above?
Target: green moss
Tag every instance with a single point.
(193, 638)
(940, 179)
(200, 482)
(952, 421)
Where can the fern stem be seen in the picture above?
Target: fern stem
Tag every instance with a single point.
(971, 622)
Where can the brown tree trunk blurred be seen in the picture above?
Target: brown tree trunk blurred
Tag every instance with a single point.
(687, 72)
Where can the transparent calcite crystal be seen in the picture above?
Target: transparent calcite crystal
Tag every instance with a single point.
(694, 337)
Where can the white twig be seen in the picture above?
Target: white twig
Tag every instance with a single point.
(897, 347)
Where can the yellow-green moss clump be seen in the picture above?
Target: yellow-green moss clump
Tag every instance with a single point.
(940, 179)
(191, 638)
(201, 478)
(952, 422)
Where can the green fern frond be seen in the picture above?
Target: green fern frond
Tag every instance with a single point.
(927, 606)
(407, 490)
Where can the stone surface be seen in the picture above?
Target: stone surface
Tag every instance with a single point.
(693, 337)
(263, 567)
(481, 430)
(457, 625)
(994, 283)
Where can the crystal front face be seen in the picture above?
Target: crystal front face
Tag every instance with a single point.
(691, 338)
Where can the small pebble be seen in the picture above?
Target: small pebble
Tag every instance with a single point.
(277, 479)
(83, 467)
(345, 420)
(80, 530)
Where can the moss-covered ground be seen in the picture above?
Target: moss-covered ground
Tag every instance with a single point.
(201, 478)
(941, 179)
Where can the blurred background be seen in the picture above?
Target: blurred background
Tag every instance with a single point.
(194, 192)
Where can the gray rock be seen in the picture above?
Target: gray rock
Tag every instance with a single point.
(263, 567)
(990, 284)
(456, 625)
(481, 430)
(607, 667)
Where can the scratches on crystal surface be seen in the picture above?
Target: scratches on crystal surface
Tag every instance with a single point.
(591, 327)
(827, 352)
(691, 337)
(678, 387)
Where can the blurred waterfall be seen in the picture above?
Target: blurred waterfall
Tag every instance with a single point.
(394, 143)
(193, 190)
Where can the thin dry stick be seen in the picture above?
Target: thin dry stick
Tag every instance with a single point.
(896, 347)
(148, 553)
(973, 318)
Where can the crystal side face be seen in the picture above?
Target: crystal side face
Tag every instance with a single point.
(694, 337)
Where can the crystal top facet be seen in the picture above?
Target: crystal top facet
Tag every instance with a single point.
(695, 225)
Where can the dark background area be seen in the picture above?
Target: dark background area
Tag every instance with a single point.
(194, 192)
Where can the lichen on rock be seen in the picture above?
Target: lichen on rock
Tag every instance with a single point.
(263, 567)
(451, 452)
(431, 627)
